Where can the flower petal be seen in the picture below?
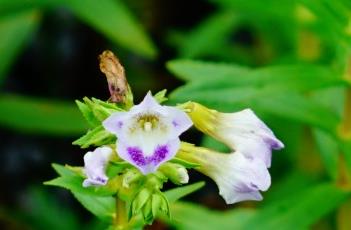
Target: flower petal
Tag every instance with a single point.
(180, 120)
(242, 131)
(146, 131)
(146, 162)
(94, 166)
(237, 177)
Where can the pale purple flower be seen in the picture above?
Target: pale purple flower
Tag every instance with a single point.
(94, 166)
(238, 178)
(242, 131)
(148, 134)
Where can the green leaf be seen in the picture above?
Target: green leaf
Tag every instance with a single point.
(298, 210)
(297, 108)
(199, 71)
(177, 193)
(200, 40)
(293, 211)
(40, 116)
(114, 20)
(103, 207)
(161, 96)
(209, 75)
(88, 114)
(186, 164)
(329, 151)
(43, 211)
(16, 30)
(96, 137)
(192, 216)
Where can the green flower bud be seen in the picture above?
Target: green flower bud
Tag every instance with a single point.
(175, 172)
(140, 200)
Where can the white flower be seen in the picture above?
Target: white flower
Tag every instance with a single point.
(237, 177)
(148, 134)
(94, 166)
(242, 131)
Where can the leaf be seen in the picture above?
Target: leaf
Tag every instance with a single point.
(160, 97)
(44, 211)
(15, 29)
(215, 28)
(200, 71)
(294, 211)
(177, 193)
(96, 137)
(329, 151)
(114, 20)
(88, 114)
(192, 216)
(209, 75)
(102, 207)
(298, 210)
(185, 163)
(34, 115)
(297, 108)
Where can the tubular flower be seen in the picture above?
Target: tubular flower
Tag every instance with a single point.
(237, 177)
(242, 131)
(94, 166)
(148, 134)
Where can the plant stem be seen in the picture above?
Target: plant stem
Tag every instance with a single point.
(121, 220)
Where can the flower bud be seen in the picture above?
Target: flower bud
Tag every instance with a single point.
(175, 172)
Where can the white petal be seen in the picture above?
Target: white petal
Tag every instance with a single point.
(237, 177)
(180, 120)
(94, 166)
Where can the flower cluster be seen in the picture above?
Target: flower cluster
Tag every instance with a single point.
(147, 137)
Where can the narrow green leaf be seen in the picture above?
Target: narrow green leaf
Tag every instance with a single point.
(293, 211)
(114, 20)
(329, 151)
(88, 114)
(40, 116)
(215, 28)
(96, 137)
(177, 193)
(102, 207)
(200, 71)
(16, 30)
(298, 210)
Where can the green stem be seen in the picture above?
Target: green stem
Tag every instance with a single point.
(121, 220)
(347, 114)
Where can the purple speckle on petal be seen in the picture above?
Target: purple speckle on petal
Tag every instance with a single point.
(101, 180)
(119, 124)
(160, 153)
(137, 155)
(175, 123)
(139, 159)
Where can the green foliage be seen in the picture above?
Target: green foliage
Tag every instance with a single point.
(40, 116)
(290, 212)
(16, 30)
(102, 207)
(177, 193)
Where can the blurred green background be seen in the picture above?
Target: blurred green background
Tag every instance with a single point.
(289, 60)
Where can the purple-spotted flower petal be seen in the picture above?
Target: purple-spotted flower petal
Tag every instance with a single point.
(242, 131)
(94, 166)
(148, 134)
(237, 177)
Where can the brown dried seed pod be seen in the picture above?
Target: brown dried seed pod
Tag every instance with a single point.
(114, 71)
